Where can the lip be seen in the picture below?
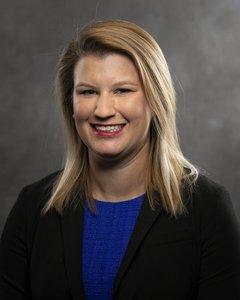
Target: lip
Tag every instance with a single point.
(98, 124)
(107, 134)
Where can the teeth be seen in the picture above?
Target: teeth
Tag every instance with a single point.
(109, 128)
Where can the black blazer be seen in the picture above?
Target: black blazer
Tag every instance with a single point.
(196, 256)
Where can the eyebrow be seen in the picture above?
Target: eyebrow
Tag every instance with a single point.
(115, 84)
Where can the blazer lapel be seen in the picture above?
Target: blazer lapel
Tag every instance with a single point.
(144, 222)
(72, 225)
(72, 231)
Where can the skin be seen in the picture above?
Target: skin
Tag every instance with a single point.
(117, 164)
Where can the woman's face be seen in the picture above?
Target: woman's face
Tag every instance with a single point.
(108, 91)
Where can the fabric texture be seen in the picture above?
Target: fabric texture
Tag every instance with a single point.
(105, 239)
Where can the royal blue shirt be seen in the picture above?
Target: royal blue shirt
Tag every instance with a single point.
(105, 239)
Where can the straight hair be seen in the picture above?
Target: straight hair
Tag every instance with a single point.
(167, 169)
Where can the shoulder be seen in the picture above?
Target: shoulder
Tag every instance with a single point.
(42, 185)
(25, 209)
(211, 200)
(34, 194)
(209, 194)
(213, 210)
(204, 185)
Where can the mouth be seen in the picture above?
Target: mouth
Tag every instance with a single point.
(105, 125)
(107, 131)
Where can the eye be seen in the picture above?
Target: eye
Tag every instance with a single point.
(122, 90)
(86, 92)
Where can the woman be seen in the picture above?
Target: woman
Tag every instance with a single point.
(128, 216)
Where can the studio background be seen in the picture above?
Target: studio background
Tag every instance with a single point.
(201, 42)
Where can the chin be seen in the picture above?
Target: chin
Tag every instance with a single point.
(107, 154)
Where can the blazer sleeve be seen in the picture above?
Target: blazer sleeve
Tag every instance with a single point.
(14, 277)
(220, 248)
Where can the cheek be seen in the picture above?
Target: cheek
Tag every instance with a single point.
(136, 109)
(81, 111)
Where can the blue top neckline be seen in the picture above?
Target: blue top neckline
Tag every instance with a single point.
(121, 201)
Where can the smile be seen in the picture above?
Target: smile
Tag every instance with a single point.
(107, 131)
(109, 128)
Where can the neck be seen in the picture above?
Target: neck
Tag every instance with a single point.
(119, 180)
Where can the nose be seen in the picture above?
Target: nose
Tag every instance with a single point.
(104, 106)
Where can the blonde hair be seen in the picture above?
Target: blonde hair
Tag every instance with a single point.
(167, 166)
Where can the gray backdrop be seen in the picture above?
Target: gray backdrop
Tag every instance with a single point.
(201, 42)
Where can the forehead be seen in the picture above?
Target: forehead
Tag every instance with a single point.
(107, 67)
